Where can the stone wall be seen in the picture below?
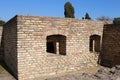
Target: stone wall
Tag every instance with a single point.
(111, 45)
(27, 40)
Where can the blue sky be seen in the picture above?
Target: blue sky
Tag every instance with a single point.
(55, 8)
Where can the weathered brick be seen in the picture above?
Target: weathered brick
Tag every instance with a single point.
(30, 36)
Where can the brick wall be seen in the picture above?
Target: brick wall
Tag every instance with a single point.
(10, 45)
(26, 45)
(111, 45)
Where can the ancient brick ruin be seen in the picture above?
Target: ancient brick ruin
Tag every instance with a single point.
(36, 47)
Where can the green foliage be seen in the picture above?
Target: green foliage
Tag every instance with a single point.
(2, 22)
(69, 10)
(87, 16)
(116, 20)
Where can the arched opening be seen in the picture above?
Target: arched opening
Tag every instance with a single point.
(56, 44)
(94, 43)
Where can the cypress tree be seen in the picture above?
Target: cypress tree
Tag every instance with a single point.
(87, 16)
(69, 10)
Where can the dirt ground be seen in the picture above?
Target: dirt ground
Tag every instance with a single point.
(5, 75)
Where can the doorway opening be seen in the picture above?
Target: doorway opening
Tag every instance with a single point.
(94, 43)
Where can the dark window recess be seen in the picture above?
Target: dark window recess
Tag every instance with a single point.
(56, 44)
(95, 43)
(50, 47)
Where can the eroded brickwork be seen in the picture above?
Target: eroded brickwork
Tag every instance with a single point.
(26, 45)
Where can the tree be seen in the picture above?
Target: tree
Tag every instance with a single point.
(87, 16)
(69, 10)
(116, 20)
(83, 18)
(2, 22)
(105, 19)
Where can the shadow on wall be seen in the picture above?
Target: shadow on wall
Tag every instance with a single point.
(2, 62)
(110, 53)
(9, 39)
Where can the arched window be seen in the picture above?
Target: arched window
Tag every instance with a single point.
(95, 43)
(56, 44)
